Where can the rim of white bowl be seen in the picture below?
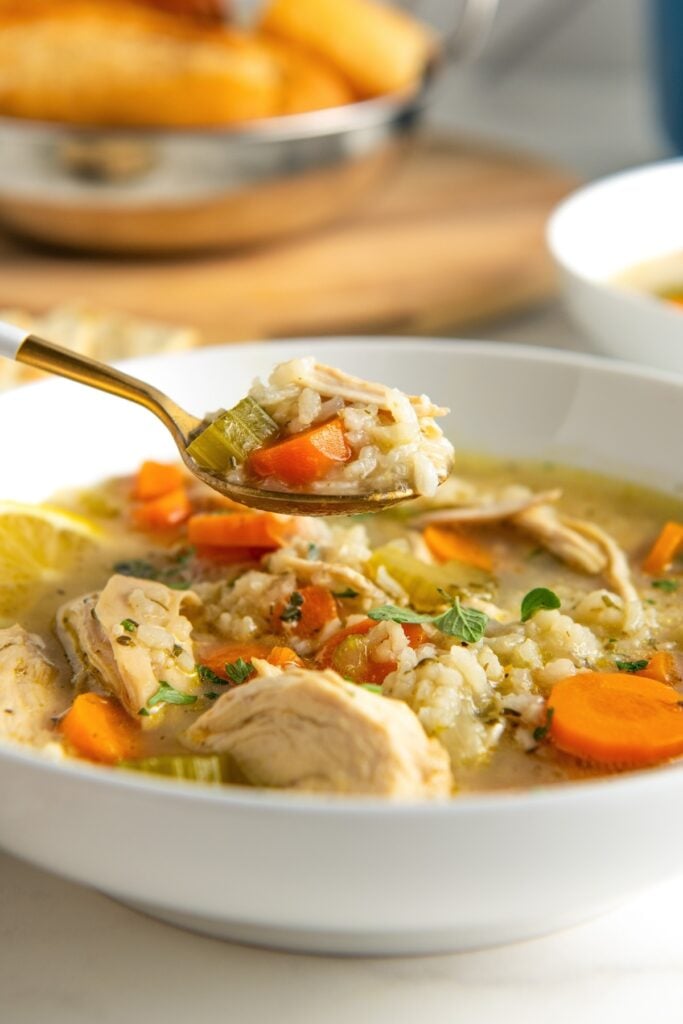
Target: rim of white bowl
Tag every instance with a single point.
(327, 804)
(566, 210)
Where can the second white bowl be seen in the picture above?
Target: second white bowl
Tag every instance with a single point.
(606, 229)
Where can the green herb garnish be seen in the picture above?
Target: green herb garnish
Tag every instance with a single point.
(292, 610)
(631, 666)
(207, 675)
(469, 624)
(167, 694)
(541, 731)
(130, 625)
(143, 570)
(238, 671)
(392, 613)
(466, 624)
(668, 586)
(137, 567)
(536, 600)
(125, 641)
(313, 553)
(372, 687)
(342, 594)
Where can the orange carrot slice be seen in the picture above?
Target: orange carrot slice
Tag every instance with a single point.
(155, 479)
(343, 653)
(449, 546)
(664, 549)
(239, 530)
(99, 729)
(163, 513)
(217, 657)
(661, 666)
(229, 556)
(305, 457)
(318, 607)
(282, 656)
(616, 718)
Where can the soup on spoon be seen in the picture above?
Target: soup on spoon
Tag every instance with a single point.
(314, 429)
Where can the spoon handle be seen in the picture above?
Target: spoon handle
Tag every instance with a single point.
(11, 339)
(44, 355)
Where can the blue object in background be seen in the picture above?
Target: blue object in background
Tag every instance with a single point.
(668, 65)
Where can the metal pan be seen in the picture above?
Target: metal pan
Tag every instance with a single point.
(144, 191)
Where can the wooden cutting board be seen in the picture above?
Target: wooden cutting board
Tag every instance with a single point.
(455, 236)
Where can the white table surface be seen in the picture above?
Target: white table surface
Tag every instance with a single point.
(72, 956)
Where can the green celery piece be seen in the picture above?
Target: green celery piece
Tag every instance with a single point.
(421, 581)
(212, 768)
(230, 438)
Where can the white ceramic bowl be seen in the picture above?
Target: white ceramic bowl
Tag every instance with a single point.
(311, 872)
(605, 229)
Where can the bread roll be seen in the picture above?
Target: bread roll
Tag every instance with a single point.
(115, 63)
(378, 48)
(307, 81)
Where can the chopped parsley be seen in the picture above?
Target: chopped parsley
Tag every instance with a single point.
(136, 567)
(631, 666)
(130, 625)
(342, 594)
(292, 610)
(170, 575)
(167, 694)
(466, 624)
(313, 553)
(372, 687)
(207, 675)
(668, 586)
(125, 641)
(238, 671)
(536, 600)
(540, 733)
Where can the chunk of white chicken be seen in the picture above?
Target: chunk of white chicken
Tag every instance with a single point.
(490, 512)
(535, 516)
(331, 382)
(314, 731)
(617, 571)
(130, 638)
(30, 698)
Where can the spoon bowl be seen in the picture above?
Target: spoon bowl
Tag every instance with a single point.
(44, 355)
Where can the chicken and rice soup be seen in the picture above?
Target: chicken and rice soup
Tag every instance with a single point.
(315, 429)
(522, 626)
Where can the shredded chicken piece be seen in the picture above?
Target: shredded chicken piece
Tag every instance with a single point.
(314, 731)
(29, 698)
(324, 574)
(130, 663)
(490, 513)
(561, 539)
(327, 380)
(617, 572)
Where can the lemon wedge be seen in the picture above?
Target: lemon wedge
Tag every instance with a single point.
(38, 544)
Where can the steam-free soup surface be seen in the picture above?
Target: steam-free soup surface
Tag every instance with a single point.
(416, 653)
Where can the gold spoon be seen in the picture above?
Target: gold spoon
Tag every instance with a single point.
(43, 355)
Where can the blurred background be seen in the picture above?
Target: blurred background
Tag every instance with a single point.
(574, 82)
(119, 241)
